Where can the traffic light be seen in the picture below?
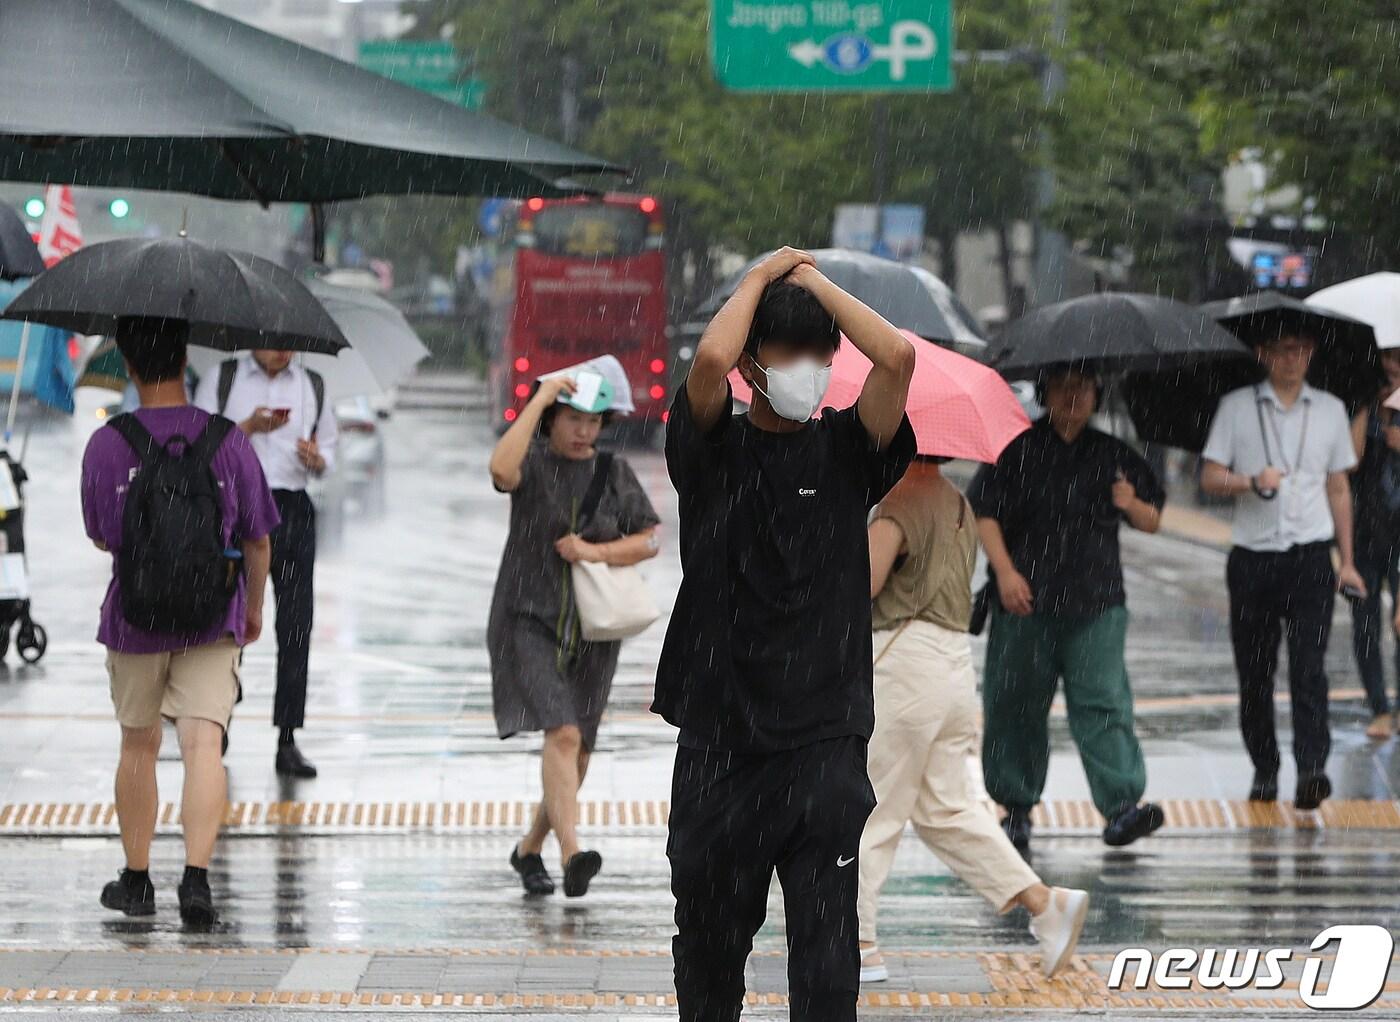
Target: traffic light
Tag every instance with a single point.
(34, 207)
(119, 208)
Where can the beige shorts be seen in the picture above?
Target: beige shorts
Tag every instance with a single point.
(200, 682)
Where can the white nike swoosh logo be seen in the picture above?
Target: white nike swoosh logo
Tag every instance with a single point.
(845, 862)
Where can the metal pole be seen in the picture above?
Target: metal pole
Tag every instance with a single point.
(14, 389)
(1050, 245)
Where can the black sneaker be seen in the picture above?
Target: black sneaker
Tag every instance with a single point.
(581, 868)
(1017, 824)
(197, 903)
(129, 895)
(1133, 823)
(1312, 789)
(1265, 787)
(533, 876)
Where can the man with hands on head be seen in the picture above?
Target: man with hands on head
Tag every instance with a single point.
(767, 666)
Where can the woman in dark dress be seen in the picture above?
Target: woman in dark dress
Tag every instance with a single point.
(544, 676)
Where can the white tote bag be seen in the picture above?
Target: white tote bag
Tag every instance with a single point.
(613, 603)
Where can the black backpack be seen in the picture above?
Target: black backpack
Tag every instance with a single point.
(175, 576)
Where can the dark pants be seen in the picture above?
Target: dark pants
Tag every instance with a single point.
(293, 560)
(1274, 595)
(734, 820)
(1379, 564)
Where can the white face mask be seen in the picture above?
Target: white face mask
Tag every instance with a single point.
(795, 391)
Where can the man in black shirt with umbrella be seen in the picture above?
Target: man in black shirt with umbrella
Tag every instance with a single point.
(767, 665)
(1048, 513)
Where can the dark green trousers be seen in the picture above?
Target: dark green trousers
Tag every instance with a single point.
(1026, 658)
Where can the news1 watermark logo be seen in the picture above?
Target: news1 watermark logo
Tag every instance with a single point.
(1359, 968)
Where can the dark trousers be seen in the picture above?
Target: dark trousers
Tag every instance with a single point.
(734, 820)
(1378, 562)
(1273, 595)
(293, 561)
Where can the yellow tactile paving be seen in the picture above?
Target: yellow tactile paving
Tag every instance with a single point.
(1072, 817)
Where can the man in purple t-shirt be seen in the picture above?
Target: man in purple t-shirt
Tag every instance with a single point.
(190, 679)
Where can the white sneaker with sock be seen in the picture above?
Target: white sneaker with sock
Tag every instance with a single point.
(877, 973)
(1057, 929)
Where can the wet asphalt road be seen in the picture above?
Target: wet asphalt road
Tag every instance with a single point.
(400, 712)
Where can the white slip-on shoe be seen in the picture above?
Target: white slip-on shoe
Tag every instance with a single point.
(1057, 929)
(876, 973)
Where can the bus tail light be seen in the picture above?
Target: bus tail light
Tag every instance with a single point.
(522, 364)
(658, 366)
(511, 415)
(658, 392)
(647, 205)
(522, 390)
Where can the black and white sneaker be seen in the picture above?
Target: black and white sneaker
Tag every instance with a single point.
(130, 895)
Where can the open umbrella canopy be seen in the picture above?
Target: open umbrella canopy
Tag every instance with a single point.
(231, 300)
(19, 256)
(1175, 406)
(167, 95)
(1373, 299)
(958, 407)
(910, 297)
(1110, 332)
(1347, 362)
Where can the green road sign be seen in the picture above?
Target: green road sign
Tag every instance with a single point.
(833, 45)
(433, 65)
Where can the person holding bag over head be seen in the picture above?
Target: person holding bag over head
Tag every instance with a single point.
(571, 505)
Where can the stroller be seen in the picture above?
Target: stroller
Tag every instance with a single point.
(30, 639)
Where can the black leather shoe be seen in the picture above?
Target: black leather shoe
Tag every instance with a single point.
(291, 763)
(579, 871)
(1017, 824)
(533, 876)
(197, 904)
(1312, 789)
(133, 898)
(1133, 823)
(1265, 787)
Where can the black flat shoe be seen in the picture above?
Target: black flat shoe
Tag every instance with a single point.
(579, 871)
(291, 763)
(197, 905)
(1264, 788)
(533, 876)
(129, 897)
(1311, 791)
(1017, 825)
(1133, 823)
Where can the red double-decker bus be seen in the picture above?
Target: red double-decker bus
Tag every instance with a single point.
(587, 279)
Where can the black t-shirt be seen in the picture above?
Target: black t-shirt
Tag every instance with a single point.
(768, 647)
(1054, 503)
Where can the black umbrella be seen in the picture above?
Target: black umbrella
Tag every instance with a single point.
(1175, 408)
(1110, 332)
(231, 300)
(19, 256)
(1347, 362)
(910, 297)
(167, 95)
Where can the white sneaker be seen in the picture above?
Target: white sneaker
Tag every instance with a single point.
(876, 973)
(1057, 929)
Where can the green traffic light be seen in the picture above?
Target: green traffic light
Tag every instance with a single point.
(119, 208)
(34, 208)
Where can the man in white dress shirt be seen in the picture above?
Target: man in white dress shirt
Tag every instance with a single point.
(281, 406)
(1283, 449)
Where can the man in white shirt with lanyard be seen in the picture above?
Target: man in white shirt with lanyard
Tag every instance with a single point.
(1283, 450)
(282, 407)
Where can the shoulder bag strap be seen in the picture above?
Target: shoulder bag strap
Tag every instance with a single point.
(602, 468)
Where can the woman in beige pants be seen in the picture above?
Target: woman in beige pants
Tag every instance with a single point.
(923, 544)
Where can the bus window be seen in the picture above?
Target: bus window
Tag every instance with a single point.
(590, 231)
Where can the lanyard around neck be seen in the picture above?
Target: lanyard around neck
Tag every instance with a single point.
(1259, 403)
